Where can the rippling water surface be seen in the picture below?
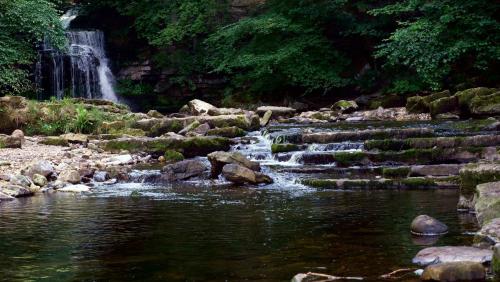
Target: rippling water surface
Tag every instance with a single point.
(214, 234)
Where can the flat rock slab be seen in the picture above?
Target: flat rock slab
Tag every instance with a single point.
(436, 255)
(75, 189)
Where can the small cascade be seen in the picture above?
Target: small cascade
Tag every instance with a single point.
(81, 70)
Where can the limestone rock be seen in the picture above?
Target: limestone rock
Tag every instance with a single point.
(240, 175)
(276, 111)
(183, 170)
(75, 138)
(454, 272)
(219, 159)
(101, 176)
(43, 168)
(491, 231)
(21, 180)
(120, 160)
(201, 130)
(199, 107)
(15, 191)
(434, 255)
(5, 197)
(9, 142)
(154, 114)
(344, 106)
(487, 201)
(424, 225)
(474, 174)
(228, 132)
(71, 176)
(39, 180)
(264, 121)
(225, 111)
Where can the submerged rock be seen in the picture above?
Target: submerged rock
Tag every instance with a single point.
(219, 159)
(454, 272)
(183, 170)
(240, 175)
(434, 255)
(424, 225)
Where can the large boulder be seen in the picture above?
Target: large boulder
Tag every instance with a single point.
(421, 104)
(454, 272)
(183, 170)
(39, 180)
(488, 105)
(444, 105)
(7, 141)
(199, 107)
(15, 191)
(434, 255)
(219, 159)
(276, 111)
(21, 180)
(70, 176)
(424, 225)
(490, 232)
(44, 168)
(465, 97)
(240, 175)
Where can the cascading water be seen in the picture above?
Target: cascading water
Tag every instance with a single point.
(82, 70)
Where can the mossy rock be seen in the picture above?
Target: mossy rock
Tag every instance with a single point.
(344, 159)
(473, 143)
(283, 148)
(487, 201)
(488, 105)
(172, 156)
(54, 141)
(229, 132)
(418, 183)
(396, 172)
(444, 105)
(465, 97)
(189, 147)
(475, 174)
(417, 105)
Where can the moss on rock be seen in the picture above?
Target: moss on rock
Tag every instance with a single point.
(444, 105)
(488, 105)
(173, 156)
(283, 148)
(396, 172)
(54, 141)
(229, 132)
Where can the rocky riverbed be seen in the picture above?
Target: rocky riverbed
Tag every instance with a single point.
(341, 148)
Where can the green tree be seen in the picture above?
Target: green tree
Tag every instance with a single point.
(441, 41)
(24, 24)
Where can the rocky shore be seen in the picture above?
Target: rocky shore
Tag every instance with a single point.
(78, 145)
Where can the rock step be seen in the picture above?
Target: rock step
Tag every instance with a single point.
(440, 142)
(372, 172)
(189, 147)
(408, 157)
(384, 183)
(367, 134)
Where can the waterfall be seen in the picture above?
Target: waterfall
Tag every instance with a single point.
(81, 70)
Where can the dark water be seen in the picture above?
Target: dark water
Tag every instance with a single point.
(202, 234)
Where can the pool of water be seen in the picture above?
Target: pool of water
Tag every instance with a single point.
(194, 233)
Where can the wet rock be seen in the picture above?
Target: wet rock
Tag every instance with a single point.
(487, 201)
(39, 180)
(101, 176)
(5, 197)
(43, 168)
(473, 175)
(488, 105)
(240, 175)
(228, 132)
(21, 180)
(264, 121)
(276, 111)
(190, 127)
(15, 191)
(171, 156)
(454, 271)
(282, 148)
(154, 114)
(344, 106)
(219, 159)
(80, 188)
(433, 142)
(199, 107)
(424, 225)
(70, 176)
(490, 232)
(119, 160)
(183, 170)
(436, 170)
(341, 136)
(434, 255)
(200, 130)
(189, 147)
(420, 104)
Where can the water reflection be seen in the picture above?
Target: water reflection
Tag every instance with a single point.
(217, 234)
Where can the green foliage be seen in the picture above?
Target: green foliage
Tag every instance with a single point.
(23, 24)
(435, 39)
(127, 87)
